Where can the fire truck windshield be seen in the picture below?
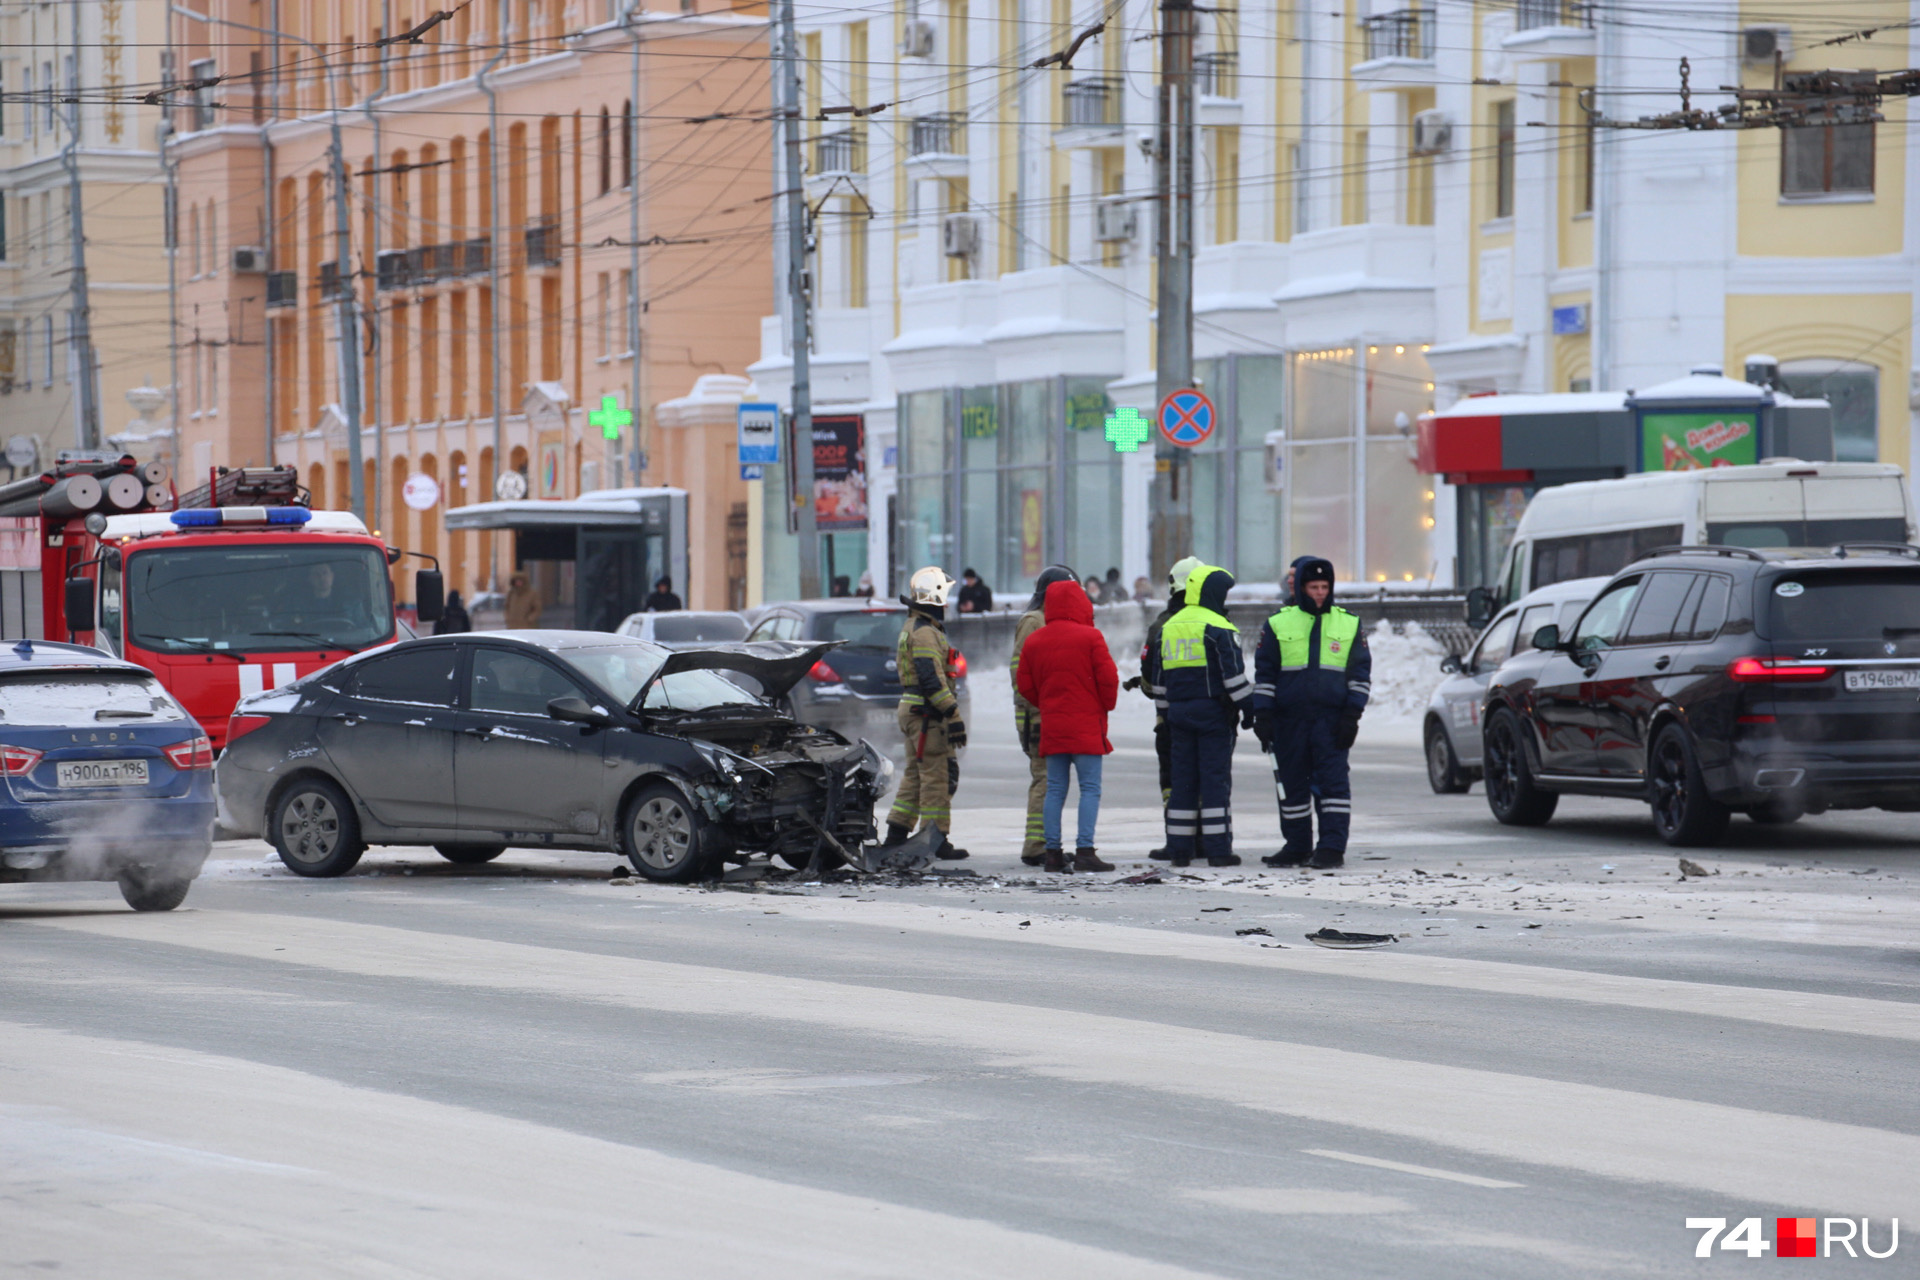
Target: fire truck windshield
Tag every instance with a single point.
(252, 597)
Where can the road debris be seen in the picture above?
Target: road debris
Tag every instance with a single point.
(1339, 940)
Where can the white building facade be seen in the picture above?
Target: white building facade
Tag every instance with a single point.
(1396, 206)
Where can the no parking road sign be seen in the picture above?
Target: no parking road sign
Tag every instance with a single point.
(1186, 418)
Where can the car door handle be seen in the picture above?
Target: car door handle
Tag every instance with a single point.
(479, 733)
(348, 719)
(1662, 662)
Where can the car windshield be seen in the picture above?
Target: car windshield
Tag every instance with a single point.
(1872, 604)
(622, 670)
(867, 629)
(63, 699)
(257, 597)
(695, 627)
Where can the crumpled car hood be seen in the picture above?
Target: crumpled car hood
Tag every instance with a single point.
(774, 665)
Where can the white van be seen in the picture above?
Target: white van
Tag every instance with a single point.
(1598, 527)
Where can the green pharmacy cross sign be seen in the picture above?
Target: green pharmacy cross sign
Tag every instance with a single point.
(610, 418)
(1127, 429)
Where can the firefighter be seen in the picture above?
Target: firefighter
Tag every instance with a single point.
(929, 716)
(1312, 675)
(1026, 716)
(1149, 680)
(1208, 697)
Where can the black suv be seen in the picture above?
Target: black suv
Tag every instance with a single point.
(1705, 680)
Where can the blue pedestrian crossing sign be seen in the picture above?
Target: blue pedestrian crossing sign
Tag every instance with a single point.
(1187, 418)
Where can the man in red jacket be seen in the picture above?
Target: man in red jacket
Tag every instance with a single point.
(1066, 671)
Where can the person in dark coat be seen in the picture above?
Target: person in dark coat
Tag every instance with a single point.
(1208, 699)
(454, 619)
(662, 600)
(1067, 672)
(975, 595)
(1313, 675)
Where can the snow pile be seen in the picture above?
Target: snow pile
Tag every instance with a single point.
(1406, 671)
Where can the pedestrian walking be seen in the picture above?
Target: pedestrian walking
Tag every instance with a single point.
(662, 600)
(1208, 698)
(975, 596)
(928, 715)
(1113, 591)
(1312, 677)
(1069, 674)
(1148, 682)
(1026, 717)
(523, 604)
(454, 618)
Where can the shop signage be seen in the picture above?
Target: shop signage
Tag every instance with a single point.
(1696, 441)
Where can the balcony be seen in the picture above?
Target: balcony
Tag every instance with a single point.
(330, 286)
(1532, 15)
(543, 243)
(937, 146)
(283, 288)
(392, 269)
(1089, 113)
(1399, 50)
(1216, 74)
(475, 256)
(840, 152)
(1551, 31)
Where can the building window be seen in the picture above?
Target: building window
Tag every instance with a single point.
(1818, 160)
(1503, 159)
(46, 349)
(626, 144)
(1853, 389)
(3, 229)
(606, 152)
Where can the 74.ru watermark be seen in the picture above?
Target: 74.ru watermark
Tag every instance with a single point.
(1793, 1237)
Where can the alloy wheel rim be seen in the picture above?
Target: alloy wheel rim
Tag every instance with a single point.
(310, 828)
(1503, 779)
(1669, 783)
(662, 833)
(1439, 760)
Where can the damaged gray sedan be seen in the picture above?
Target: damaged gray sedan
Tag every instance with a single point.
(554, 739)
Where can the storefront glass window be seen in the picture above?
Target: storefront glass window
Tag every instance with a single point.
(1320, 504)
(921, 509)
(1022, 534)
(1259, 409)
(1853, 389)
(981, 520)
(979, 428)
(1399, 514)
(1488, 516)
(925, 439)
(1323, 402)
(1093, 514)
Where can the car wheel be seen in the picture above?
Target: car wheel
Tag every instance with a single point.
(1444, 774)
(1777, 814)
(1683, 813)
(315, 830)
(469, 854)
(666, 836)
(1514, 797)
(153, 893)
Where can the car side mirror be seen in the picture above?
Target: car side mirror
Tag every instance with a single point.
(429, 595)
(1451, 664)
(578, 711)
(1480, 606)
(79, 604)
(1547, 637)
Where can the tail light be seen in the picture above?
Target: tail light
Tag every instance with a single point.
(1776, 671)
(823, 673)
(197, 754)
(17, 762)
(958, 662)
(240, 726)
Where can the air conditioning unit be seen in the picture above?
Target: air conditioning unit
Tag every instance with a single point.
(1432, 133)
(918, 39)
(249, 261)
(1761, 44)
(1113, 221)
(960, 235)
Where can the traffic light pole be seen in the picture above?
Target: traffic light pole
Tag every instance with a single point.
(1174, 137)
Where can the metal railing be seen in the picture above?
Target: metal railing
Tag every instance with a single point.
(1405, 33)
(393, 269)
(330, 280)
(1216, 74)
(543, 243)
(838, 153)
(1533, 14)
(1093, 102)
(941, 135)
(283, 288)
(475, 256)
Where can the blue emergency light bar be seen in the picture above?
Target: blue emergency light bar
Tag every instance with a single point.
(209, 517)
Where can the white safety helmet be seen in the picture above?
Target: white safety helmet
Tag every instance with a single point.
(929, 586)
(1182, 569)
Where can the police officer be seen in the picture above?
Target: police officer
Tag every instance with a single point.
(1208, 695)
(1312, 677)
(929, 716)
(1026, 716)
(1149, 661)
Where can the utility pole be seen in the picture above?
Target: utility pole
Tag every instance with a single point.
(1172, 508)
(801, 338)
(80, 330)
(631, 148)
(347, 320)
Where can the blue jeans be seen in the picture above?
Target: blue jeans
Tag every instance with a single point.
(1088, 768)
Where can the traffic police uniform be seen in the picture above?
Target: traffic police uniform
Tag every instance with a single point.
(928, 716)
(1201, 669)
(1149, 662)
(1312, 677)
(1026, 716)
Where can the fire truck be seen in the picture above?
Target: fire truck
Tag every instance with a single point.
(234, 587)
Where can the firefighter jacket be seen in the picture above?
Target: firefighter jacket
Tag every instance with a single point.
(926, 684)
(1200, 654)
(1026, 716)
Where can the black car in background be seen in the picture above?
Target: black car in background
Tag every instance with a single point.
(1707, 681)
(856, 689)
(558, 739)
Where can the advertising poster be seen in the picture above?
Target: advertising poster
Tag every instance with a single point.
(1032, 532)
(839, 473)
(1696, 441)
